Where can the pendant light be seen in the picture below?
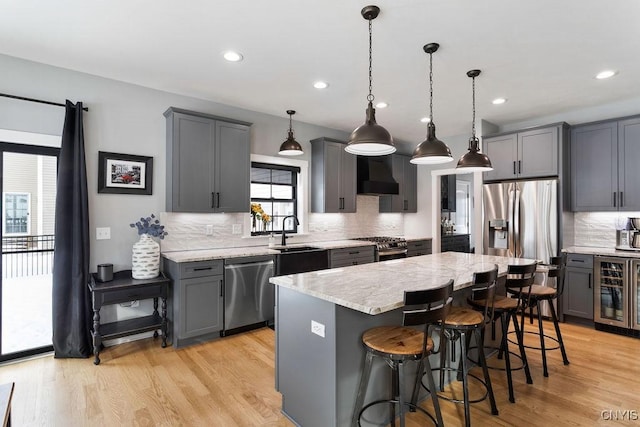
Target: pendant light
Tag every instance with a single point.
(474, 160)
(290, 147)
(431, 151)
(370, 139)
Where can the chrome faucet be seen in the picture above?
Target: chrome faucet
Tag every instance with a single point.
(284, 237)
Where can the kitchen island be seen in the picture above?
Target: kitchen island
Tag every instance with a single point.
(320, 317)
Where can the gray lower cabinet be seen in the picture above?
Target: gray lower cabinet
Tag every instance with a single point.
(577, 298)
(418, 247)
(333, 177)
(208, 163)
(406, 175)
(604, 166)
(345, 257)
(455, 243)
(197, 302)
(532, 153)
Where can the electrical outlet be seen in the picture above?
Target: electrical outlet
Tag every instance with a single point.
(236, 229)
(317, 328)
(209, 230)
(103, 233)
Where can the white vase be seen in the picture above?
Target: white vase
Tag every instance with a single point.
(145, 262)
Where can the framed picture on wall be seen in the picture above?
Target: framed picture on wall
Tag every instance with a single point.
(124, 173)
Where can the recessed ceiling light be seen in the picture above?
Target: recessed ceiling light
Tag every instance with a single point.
(499, 101)
(232, 56)
(320, 85)
(605, 74)
(425, 120)
(382, 105)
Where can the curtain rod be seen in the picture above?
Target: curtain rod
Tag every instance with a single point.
(22, 98)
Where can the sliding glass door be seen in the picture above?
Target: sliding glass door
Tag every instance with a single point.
(28, 175)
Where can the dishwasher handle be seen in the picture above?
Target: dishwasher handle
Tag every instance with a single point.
(241, 264)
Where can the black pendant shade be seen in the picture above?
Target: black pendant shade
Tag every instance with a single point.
(431, 151)
(290, 147)
(474, 160)
(370, 139)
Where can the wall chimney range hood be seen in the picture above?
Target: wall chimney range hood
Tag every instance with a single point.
(374, 177)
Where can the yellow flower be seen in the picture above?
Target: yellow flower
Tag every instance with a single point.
(256, 209)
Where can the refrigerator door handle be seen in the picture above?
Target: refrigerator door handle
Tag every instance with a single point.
(511, 249)
(516, 221)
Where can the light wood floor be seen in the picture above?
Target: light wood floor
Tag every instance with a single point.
(230, 382)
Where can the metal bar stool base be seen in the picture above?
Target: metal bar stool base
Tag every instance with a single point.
(497, 350)
(450, 399)
(538, 347)
(411, 406)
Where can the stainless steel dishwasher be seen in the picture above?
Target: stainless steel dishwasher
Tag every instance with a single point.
(249, 298)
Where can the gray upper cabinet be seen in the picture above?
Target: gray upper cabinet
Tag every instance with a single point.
(406, 175)
(629, 169)
(208, 163)
(529, 154)
(448, 193)
(604, 166)
(333, 177)
(594, 167)
(503, 152)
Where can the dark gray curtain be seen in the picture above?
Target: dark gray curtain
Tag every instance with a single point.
(72, 312)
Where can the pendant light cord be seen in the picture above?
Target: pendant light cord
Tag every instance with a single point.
(473, 97)
(431, 88)
(290, 123)
(370, 97)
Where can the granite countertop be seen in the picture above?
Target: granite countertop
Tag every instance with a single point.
(592, 250)
(379, 287)
(223, 253)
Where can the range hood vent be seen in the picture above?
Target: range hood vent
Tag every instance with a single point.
(375, 178)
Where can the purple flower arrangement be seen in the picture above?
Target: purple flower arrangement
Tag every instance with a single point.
(151, 226)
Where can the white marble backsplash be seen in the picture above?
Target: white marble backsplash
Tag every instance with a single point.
(187, 231)
(598, 229)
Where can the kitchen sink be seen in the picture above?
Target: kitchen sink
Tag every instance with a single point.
(300, 259)
(285, 249)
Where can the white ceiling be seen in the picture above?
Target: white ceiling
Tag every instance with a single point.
(540, 54)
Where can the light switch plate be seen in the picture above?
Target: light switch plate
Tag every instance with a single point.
(236, 229)
(209, 230)
(103, 233)
(317, 328)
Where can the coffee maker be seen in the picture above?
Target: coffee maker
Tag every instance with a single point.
(628, 238)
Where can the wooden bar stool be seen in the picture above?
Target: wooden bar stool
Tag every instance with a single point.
(536, 295)
(399, 344)
(460, 325)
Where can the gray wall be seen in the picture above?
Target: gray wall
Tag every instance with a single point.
(124, 118)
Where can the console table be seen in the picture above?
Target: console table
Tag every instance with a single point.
(121, 289)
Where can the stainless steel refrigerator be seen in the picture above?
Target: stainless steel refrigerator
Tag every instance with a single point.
(521, 220)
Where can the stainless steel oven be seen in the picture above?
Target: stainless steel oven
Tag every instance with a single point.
(388, 247)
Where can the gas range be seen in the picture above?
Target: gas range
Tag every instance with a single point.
(388, 247)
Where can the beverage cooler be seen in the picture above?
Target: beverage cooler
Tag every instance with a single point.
(616, 292)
